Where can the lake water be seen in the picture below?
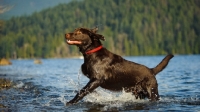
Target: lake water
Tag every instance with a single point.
(48, 86)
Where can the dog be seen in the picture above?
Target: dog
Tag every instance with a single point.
(111, 71)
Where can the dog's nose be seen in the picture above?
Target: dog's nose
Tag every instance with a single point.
(67, 35)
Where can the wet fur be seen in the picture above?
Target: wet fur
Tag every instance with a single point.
(111, 71)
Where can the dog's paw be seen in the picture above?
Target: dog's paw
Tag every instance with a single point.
(69, 104)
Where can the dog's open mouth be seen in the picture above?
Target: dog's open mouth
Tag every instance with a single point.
(73, 42)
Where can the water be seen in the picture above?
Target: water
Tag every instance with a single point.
(47, 87)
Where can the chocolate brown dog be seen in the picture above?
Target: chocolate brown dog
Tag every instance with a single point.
(111, 71)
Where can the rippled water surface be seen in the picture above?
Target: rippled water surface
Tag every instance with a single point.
(48, 86)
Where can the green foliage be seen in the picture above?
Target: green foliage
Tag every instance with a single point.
(131, 27)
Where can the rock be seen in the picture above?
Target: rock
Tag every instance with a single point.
(4, 62)
(5, 83)
(37, 61)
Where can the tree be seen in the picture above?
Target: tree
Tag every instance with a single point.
(130, 27)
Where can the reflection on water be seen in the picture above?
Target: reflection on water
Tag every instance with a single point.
(49, 85)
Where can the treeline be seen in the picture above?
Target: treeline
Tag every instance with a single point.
(131, 27)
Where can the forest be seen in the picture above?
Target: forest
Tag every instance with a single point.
(131, 28)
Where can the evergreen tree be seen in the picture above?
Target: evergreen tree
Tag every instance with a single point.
(131, 27)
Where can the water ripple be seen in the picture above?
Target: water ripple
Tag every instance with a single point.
(47, 87)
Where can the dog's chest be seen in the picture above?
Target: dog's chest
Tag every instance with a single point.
(93, 70)
(87, 70)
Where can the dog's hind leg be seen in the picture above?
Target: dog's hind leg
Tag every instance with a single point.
(153, 92)
(140, 92)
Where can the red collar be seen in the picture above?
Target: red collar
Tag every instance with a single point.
(94, 50)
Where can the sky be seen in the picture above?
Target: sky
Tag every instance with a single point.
(25, 7)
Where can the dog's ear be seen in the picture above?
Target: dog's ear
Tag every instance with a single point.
(97, 36)
(94, 30)
(101, 37)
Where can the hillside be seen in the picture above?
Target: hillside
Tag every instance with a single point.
(25, 7)
(131, 27)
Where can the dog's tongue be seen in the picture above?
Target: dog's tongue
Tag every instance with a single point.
(73, 42)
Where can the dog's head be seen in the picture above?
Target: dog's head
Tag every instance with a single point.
(84, 37)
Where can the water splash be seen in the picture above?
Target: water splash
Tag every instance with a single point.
(19, 84)
(48, 102)
(101, 96)
(112, 99)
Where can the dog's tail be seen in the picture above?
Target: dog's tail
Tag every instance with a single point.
(162, 64)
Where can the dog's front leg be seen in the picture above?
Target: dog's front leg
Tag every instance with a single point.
(91, 85)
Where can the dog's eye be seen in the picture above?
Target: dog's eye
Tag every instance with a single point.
(78, 32)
